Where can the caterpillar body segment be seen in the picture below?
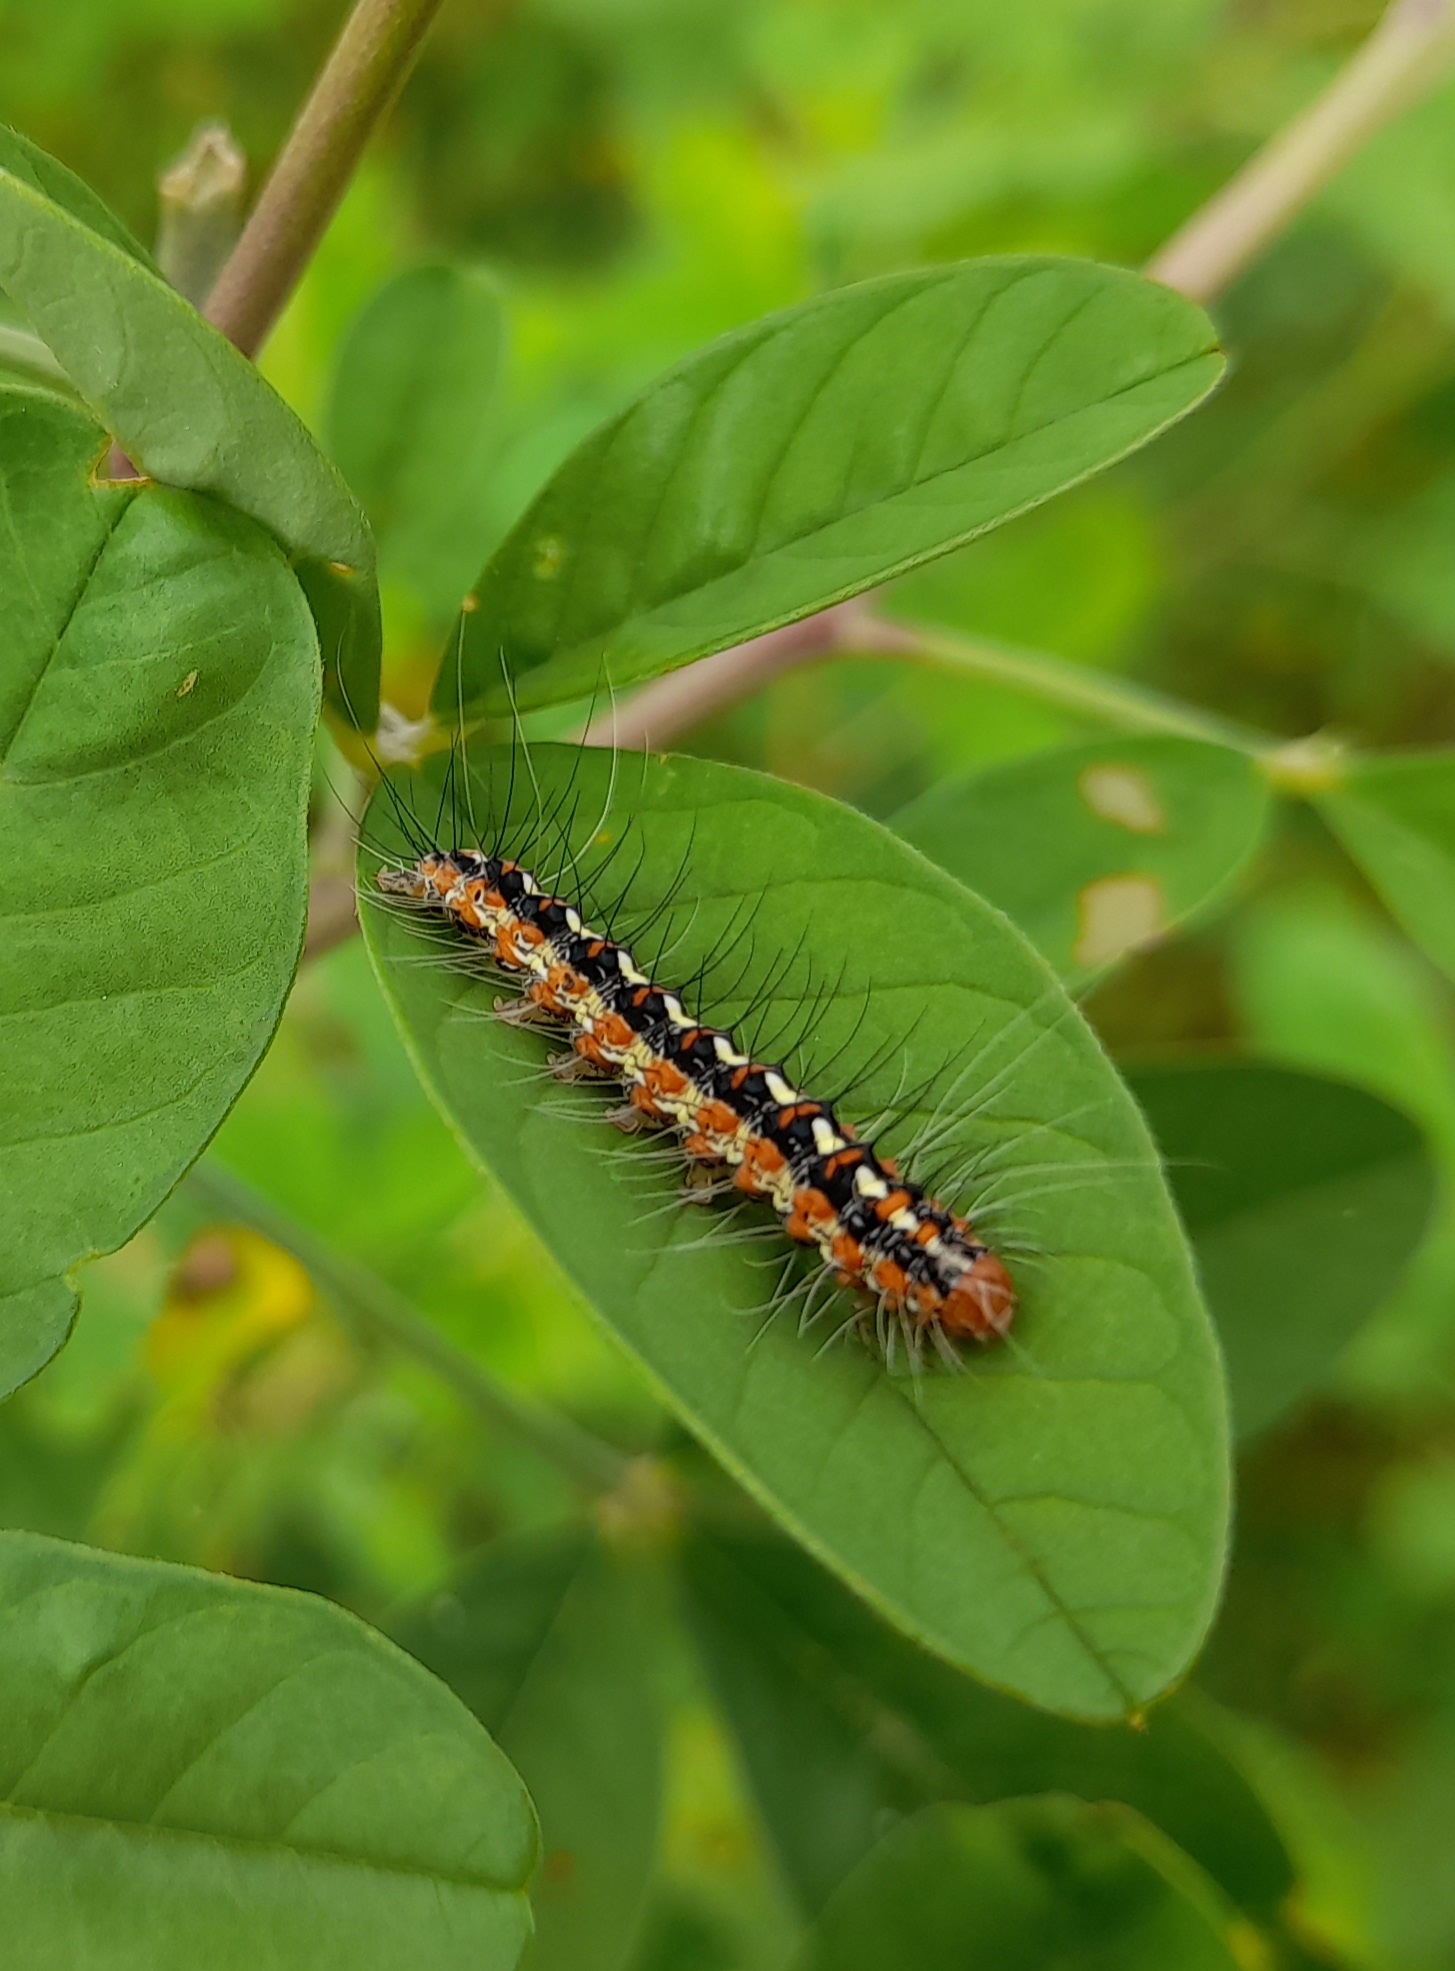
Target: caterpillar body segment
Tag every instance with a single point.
(872, 1228)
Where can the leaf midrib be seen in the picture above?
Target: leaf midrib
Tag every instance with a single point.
(737, 1462)
(120, 507)
(106, 1665)
(1056, 1606)
(646, 611)
(144, 1832)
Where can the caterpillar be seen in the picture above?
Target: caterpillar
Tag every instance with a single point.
(874, 1229)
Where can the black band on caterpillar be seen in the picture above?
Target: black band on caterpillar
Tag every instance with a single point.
(872, 1228)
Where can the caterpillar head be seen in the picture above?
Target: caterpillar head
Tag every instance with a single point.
(981, 1304)
(427, 881)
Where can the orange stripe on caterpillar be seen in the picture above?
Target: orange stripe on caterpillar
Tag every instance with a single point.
(873, 1228)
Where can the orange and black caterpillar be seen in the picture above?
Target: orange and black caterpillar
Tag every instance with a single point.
(872, 1228)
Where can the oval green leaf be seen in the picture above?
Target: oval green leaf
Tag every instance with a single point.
(197, 1771)
(548, 1640)
(187, 407)
(1022, 1887)
(1396, 817)
(842, 1724)
(1096, 851)
(412, 422)
(158, 692)
(1304, 1198)
(818, 452)
(1053, 1519)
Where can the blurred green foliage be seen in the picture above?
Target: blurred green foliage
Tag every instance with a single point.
(638, 175)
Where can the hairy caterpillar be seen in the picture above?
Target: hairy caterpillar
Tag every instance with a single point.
(872, 1228)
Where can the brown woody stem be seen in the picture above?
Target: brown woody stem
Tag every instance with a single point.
(1406, 56)
(363, 73)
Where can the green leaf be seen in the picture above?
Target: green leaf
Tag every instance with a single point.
(547, 1640)
(818, 452)
(1097, 850)
(158, 692)
(197, 1771)
(1022, 1887)
(26, 364)
(47, 175)
(1396, 817)
(1052, 1520)
(412, 424)
(186, 407)
(35, 1322)
(1305, 1199)
(682, 1930)
(843, 1724)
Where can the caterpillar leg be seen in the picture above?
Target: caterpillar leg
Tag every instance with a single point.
(573, 1067)
(524, 1013)
(628, 1119)
(701, 1183)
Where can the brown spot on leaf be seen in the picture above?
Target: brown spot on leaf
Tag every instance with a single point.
(1118, 913)
(1125, 795)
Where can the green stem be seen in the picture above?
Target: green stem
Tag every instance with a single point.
(366, 68)
(200, 200)
(374, 1308)
(1093, 694)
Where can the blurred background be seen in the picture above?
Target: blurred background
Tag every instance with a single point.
(637, 176)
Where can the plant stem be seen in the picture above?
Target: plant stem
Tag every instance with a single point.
(686, 697)
(1408, 53)
(365, 69)
(657, 713)
(374, 1308)
(1092, 694)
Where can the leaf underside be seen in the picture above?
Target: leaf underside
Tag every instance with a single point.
(187, 408)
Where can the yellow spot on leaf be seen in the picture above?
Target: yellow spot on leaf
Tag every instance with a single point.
(187, 683)
(550, 554)
(469, 604)
(233, 1296)
(1124, 795)
(1118, 913)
